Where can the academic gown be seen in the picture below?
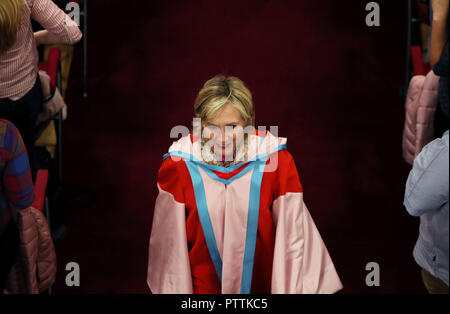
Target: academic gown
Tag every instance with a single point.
(240, 229)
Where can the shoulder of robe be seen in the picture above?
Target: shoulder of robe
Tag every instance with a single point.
(286, 173)
(173, 177)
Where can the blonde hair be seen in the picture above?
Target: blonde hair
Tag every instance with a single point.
(220, 90)
(10, 14)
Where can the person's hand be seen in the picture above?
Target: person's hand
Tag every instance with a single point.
(37, 38)
(40, 37)
(440, 9)
(438, 29)
(44, 37)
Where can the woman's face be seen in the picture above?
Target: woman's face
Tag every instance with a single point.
(224, 131)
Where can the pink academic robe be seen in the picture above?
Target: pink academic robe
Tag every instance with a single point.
(244, 229)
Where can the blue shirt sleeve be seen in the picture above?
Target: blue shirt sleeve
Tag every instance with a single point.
(427, 187)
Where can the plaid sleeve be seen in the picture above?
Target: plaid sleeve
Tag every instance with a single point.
(17, 181)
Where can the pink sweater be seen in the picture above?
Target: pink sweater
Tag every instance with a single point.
(18, 65)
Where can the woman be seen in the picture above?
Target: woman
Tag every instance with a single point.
(230, 216)
(20, 88)
(16, 193)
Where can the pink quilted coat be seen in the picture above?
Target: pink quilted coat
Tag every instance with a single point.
(420, 107)
(35, 267)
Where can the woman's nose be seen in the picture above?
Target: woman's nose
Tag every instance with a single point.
(227, 136)
(224, 137)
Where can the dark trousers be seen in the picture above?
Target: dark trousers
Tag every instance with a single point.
(23, 114)
(9, 248)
